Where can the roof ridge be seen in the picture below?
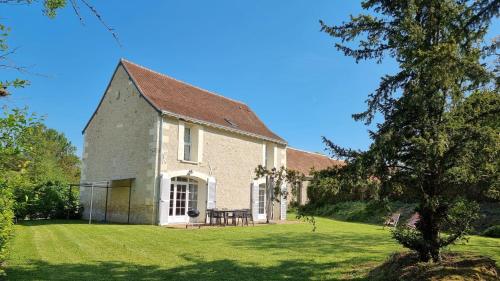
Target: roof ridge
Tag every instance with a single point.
(183, 82)
(310, 152)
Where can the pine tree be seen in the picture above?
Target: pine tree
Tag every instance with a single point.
(425, 141)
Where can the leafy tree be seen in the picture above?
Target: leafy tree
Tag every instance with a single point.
(52, 157)
(36, 163)
(474, 134)
(275, 181)
(425, 141)
(52, 166)
(15, 128)
(339, 184)
(14, 125)
(50, 8)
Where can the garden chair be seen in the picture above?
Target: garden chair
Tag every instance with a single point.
(412, 222)
(246, 214)
(392, 220)
(218, 216)
(234, 216)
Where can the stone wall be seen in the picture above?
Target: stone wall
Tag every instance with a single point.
(120, 142)
(228, 156)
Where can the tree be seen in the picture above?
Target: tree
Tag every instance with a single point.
(14, 125)
(50, 8)
(421, 143)
(275, 181)
(36, 164)
(340, 183)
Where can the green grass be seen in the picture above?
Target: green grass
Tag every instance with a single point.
(61, 250)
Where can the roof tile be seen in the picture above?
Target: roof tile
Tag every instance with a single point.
(303, 161)
(171, 95)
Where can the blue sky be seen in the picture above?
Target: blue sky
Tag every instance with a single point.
(268, 54)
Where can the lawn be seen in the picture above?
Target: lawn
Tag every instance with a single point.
(62, 250)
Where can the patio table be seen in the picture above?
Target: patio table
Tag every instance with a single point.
(222, 215)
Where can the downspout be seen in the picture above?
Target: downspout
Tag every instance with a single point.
(158, 173)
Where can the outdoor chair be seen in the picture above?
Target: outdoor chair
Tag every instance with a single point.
(412, 222)
(234, 216)
(210, 216)
(214, 214)
(247, 214)
(218, 216)
(392, 220)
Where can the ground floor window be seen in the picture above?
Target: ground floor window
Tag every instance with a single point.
(193, 196)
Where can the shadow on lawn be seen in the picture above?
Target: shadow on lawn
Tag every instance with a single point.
(319, 243)
(196, 270)
(42, 222)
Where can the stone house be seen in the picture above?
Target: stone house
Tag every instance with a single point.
(162, 146)
(305, 162)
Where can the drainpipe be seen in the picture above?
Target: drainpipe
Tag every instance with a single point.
(158, 174)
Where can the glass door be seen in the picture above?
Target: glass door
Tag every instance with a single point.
(182, 198)
(262, 201)
(178, 200)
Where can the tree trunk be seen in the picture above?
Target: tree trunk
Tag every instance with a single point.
(428, 226)
(269, 198)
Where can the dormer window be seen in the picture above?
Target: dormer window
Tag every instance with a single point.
(187, 144)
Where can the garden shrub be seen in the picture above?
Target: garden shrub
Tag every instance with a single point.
(48, 200)
(374, 211)
(492, 231)
(6, 221)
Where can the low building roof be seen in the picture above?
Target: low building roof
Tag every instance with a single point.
(180, 99)
(304, 161)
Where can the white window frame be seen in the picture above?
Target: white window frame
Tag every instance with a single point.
(262, 215)
(192, 198)
(191, 185)
(194, 144)
(188, 143)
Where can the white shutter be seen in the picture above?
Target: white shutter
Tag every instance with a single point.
(200, 144)
(211, 193)
(283, 202)
(255, 200)
(180, 150)
(164, 198)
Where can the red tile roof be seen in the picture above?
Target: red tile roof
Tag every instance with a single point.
(182, 100)
(303, 161)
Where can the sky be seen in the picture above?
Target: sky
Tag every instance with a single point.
(270, 55)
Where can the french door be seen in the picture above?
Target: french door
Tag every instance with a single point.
(183, 197)
(262, 202)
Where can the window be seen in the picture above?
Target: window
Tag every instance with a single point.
(180, 200)
(262, 198)
(193, 196)
(187, 144)
(190, 145)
